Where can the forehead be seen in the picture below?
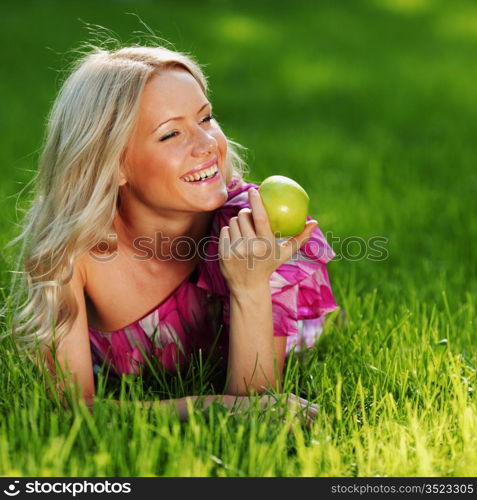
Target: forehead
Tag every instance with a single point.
(173, 92)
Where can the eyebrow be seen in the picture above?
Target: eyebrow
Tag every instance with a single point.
(181, 117)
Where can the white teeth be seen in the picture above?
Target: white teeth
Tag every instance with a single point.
(209, 172)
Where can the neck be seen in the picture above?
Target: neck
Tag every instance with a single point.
(167, 236)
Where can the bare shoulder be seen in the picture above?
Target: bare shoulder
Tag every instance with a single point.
(89, 267)
(80, 269)
(74, 351)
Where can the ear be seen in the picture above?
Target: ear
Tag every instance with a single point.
(122, 169)
(122, 179)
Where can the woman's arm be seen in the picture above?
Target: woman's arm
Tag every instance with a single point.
(256, 357)
(300, 407)
(249, 254)
(73, 355)
(179, 406)
(74, 359)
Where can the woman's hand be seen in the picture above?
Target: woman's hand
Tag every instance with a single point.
(248, 250)
(300, 408)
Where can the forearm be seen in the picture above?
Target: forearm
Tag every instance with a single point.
(252, 357)
(179, 407)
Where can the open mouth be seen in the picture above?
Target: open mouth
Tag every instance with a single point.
(204, 175)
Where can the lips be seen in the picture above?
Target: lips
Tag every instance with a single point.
(204, 166)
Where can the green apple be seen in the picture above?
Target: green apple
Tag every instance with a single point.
(286, 204)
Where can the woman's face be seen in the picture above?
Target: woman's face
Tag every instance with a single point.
(174, 135)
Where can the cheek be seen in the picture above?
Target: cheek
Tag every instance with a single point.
(222, 142)
(156, 167)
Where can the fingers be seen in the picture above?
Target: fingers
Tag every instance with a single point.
(311, 413)
(235, 233)
(302, 237)
(291, 409)
(242, 225)
(250, 237)
(303, 409)
(245, 221)
(259, 214)
(224, 241)
(294, 243)
(267, 400)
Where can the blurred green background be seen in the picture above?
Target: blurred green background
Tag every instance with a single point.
(369, 104)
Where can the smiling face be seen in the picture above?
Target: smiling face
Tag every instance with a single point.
(175, 134)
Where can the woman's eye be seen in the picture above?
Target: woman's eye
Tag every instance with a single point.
(168, 136)
(206, 119)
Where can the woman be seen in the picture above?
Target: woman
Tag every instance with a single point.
(117, 203)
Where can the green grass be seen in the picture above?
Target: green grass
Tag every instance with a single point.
(371, 106)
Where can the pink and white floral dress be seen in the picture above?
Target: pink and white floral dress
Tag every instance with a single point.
(197, 311)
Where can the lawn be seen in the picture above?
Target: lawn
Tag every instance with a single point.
(371, 106)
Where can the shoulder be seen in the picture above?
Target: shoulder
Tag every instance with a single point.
(85, 268)
(78, 280)
(97, 263)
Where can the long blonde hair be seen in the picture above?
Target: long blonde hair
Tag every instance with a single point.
(77, 181)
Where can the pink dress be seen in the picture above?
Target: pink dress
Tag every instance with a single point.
(197, 312)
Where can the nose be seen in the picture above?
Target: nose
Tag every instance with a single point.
(204, 144)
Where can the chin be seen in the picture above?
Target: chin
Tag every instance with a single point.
(215, 201)
(220, 200)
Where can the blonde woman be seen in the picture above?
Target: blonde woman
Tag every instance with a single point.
(144, 240)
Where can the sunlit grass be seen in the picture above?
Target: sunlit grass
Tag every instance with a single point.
(396, 398)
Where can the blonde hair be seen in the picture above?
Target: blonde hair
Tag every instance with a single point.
(77, 183)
